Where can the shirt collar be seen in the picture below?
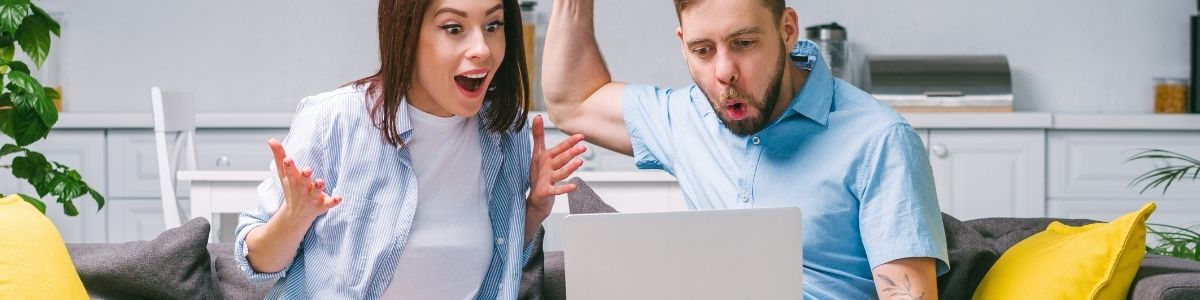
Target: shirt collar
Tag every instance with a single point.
(816, 97)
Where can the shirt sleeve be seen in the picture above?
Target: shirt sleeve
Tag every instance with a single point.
(899, 214)
(648, 116)
(306, 145)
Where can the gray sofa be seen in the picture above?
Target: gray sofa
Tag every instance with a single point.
(974, 246)
(181, 264)
(178, 264)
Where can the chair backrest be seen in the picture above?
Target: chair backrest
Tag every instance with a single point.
(176, 117)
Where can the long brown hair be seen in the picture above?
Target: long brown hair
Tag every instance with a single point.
(399, 33)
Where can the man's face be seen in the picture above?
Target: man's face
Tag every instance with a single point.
(736, 54)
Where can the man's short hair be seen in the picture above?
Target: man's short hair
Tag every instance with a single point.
(776, 7)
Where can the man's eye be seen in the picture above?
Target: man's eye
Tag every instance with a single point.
(700, 51)
(495, 26)
(452, 29)
(745, 44)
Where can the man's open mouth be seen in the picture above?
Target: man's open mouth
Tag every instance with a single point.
(736, 110)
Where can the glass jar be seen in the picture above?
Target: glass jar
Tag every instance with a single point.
(1170, 95)
(529, 34)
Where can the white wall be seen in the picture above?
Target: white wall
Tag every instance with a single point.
(264, 55)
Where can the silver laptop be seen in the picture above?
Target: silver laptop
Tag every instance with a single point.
(708, 254)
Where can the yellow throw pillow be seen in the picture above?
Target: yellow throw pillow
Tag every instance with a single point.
(34, 263)
(1095, 261)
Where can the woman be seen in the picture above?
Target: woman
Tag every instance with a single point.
(411, 183)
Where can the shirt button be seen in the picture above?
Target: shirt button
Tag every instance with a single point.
(754, 140)
(745, 198)
(500, 241)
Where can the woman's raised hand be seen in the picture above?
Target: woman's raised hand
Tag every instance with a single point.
(304, 196)
(548, 167)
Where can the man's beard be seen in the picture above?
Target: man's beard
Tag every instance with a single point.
(765, 106)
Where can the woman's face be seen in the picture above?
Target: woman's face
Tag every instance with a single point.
(461, 46)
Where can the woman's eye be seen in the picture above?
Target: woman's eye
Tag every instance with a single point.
(452, 29)
(495, 26)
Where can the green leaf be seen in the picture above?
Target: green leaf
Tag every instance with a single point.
(35, 202)
(7, 53)
(11, 14)
(51, 93)
(34, 37)
(46, 110)
(19, 66)
(50, 23)
(28, 126)
(10, 149)
(69, 208)
(22, 168)
(96, 196)
(23, 81)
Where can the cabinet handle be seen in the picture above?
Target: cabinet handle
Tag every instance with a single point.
(938, 150)
(223, 161)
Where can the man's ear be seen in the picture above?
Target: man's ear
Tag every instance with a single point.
(790, 25)
(682, 44)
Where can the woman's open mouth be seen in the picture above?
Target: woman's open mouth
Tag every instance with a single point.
(470, 84)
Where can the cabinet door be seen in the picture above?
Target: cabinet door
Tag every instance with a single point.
(82, 150)
(1092, 165)
(134, 166)
(989, 173)
(137, 219)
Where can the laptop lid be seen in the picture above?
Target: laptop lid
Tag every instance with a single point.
(708, 254)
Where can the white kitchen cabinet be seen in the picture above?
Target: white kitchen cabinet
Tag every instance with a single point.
(1174, 212)
(989, 173)
(1088, 165)
(134, 169)
(136, 219)
(82, 150)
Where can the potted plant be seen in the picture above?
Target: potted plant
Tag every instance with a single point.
(27, 110)
(1172, 240)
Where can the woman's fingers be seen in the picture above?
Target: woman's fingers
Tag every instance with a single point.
(330, 202)
(563, 189)
(565, 171)
(279, 154)
(539, 135)
(571, 141)
(561, 159)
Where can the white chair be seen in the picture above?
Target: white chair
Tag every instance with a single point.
(176, 117)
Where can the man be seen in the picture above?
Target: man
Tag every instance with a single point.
(765, 127)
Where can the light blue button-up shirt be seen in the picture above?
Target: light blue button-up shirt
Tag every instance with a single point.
(857, 170)
(351, 251)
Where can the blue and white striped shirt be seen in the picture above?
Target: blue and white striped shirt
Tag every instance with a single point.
(351, 251)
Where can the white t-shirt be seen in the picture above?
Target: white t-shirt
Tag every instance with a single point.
(449, 247)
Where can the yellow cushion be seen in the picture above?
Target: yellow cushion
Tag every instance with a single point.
(1095, 261)
(33, 258)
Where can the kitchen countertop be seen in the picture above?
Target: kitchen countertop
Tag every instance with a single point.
(1018, 120)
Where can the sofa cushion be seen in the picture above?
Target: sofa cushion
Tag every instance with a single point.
(1095, 261)
(175, 265)
(1166, 278)
(229, 282)
(33, 258)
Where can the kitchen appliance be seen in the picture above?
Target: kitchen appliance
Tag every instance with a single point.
(831, 39)
(943, 83)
